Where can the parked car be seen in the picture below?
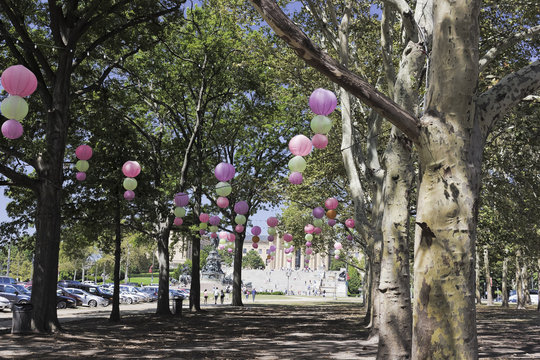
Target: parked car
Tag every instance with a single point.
(14, 294)
(88, 299)
(64, 292)
(128, 298)
(532, 293)
(96, 290)
(63, 302)
(69, 284)
(150, 291)
(4, 303)
(7, 280)
(133, 291)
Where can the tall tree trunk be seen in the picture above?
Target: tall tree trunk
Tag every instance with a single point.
(195, 292)
(504, 284)
(519, 282)
(538, 285)
(237, 271)
(367, 290)
(115, 312)
(477, 290)
(488, 277)
(525, 281)
(163, 307)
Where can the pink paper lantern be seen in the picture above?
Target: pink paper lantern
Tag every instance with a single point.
(223, 235)
(224, 171)
(308, 244)
(318, 212)
(289, 260)
(231, 237)
(241, 207)
(349, 223)
(129, 195)
(222, 202)
(272, 221)
(296, 178)
(178, 221)
(309, 251)
(202, 232)
(214, 220)
(213, 235)
(331, 222)
(317, 230)
(320, 141)
(338, 246)
(255, 245)
(308, 229)
(322, 101)
(229, 250)
(131, 169)
(83, 152)
(221, 247)
(287, 237)
(239, 228)
(81, 176)
(336, 257)
(272, 248)
(349, 237)
(331, 203)
(256, 230)
(300, 145)
(270, 238)
(181, 199)
(18, 80)
(204, 218)
(12, 129)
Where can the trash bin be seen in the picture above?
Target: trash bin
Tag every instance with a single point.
(177, 305)
(22, 319)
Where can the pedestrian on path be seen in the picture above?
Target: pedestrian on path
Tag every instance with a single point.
(205, 296)
(222, 296)
(253, 292)
(216, 294)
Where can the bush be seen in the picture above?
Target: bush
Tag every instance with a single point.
(270, 293)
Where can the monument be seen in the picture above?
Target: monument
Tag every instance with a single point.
(212, 269)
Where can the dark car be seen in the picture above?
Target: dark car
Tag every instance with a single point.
(69, 284)
(63, 292)
(14, 294)
(63, 302)
(97, 290)
(7, 280)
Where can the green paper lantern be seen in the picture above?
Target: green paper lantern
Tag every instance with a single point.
(297, 164)
(223, 188)
(318, 222)
(82, 165)
(308, 237)
(203, 226)
(272, 231)
(130, 184)
(321, 124)
(223, 241)
(14, 107)
(213, 229)
(179, 212)
(240, 219)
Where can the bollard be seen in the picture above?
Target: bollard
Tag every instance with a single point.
(22, 319)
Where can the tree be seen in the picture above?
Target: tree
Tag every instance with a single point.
(252, 260)
(450, 136)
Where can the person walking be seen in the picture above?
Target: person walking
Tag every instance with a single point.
(253, 292)
(205, 296)
(222, 296)
(216, 294)
(247, 294)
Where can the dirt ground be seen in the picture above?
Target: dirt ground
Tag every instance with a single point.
(326, 331)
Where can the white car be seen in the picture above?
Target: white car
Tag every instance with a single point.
(4, 303)
(87, 298)
(534, 298)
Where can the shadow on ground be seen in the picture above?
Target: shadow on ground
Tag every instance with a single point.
(257, 332)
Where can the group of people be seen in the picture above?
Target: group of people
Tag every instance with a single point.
(246, 292)
(217, 294)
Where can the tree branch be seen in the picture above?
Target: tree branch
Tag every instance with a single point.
(508, 92)
(18, 178)
(505, 44)
(314, 56)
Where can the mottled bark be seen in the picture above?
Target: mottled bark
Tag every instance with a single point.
(477, 290)
(525, 281)
(519, 281)
(538, 285)
(504, 283)
(488, 277)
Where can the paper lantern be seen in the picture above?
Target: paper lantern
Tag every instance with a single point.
(181, 199)
(308, 244)
(300, 145)
(319, 141)
(178, 221)
(129, 195)
(81, 176)
(203, 226)
(83, 152)
(255, 245)
(18, 80)
(222, 202)
(221, 247)
(321, 124)
(272, 221)
(223, 241)
(308, 229)
(231, 237)
(318, 212)
(240, 219)
(223, 235)
(272, 248)
(322, 101)
(255, 239)
(331, 214)
(204, 218)
(308, 237)
(318, 222)
(331, 222)
(82, 165)
(309, 251)
(297, 164)
(338, 246)
(272, 231)
(178, 211)
(202, 232)
(224, 172)
(129, 183)
(317, 230)
(331, 203)
(296, 178)
(239, 228)
(349, 223)
(256, 230)
(131, 169)
(14, 107)
(229, 250)
(336, 257)
(287, 237)
(270, 238)
(213, 235)
(12, 129)
(214, 220)
(241, 207)
(350, 237)
(213, 228)
(223, 188)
